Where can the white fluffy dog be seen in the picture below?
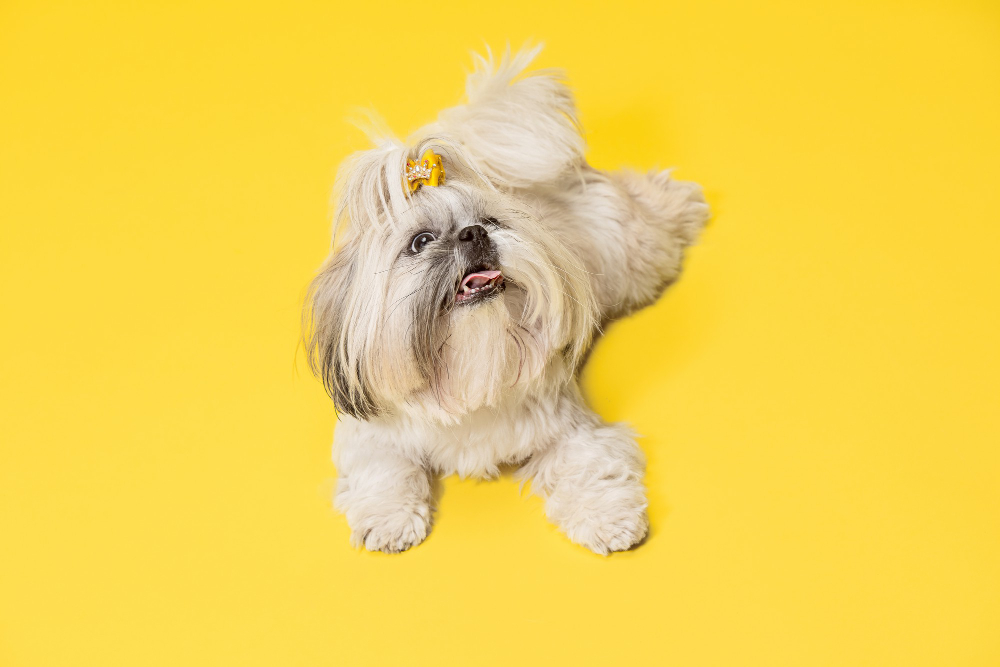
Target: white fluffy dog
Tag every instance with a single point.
(472, 269)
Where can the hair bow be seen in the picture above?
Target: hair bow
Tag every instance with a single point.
(427, 171)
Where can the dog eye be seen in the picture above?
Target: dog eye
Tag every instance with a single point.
(491, 221)
(420, 240)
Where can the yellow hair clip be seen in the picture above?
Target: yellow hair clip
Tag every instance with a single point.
(427, 171)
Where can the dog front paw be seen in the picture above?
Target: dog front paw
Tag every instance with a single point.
(603, 520)
(394, 532)
(617, 531)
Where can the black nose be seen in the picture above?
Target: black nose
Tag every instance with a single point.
(472, 233)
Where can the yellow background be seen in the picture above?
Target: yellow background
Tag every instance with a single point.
(818, 395)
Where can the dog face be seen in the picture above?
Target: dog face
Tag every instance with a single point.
(444, 300)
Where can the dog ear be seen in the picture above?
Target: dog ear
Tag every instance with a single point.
(336, 356)
(519, 130)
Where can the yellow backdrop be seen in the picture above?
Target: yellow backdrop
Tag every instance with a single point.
(818, 396)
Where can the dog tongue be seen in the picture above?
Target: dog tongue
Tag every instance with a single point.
(479, 279)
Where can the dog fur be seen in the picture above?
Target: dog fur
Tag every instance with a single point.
(427, 385)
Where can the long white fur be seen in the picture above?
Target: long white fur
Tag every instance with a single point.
(577, 246)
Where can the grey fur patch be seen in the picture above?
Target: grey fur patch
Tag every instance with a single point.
(324, 327)
(430, 310)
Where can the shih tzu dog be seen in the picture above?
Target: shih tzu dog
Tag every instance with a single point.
(472, 268)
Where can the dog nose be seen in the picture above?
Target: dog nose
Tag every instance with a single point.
(472, 233)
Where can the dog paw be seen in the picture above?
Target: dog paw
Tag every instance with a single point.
(393, 533)
(605, 518)
(621, 532)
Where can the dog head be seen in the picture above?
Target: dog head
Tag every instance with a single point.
(442, 298)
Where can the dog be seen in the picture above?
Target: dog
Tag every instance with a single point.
(472, 268)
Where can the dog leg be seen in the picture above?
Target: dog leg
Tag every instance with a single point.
(591, 479)
(385, 497)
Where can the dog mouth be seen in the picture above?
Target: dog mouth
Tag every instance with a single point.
(479, 285)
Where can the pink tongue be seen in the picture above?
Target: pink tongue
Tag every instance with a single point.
(479, 279)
